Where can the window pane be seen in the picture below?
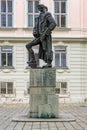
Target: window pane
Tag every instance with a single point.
(9, 59)
(9, 20)
(63, 7)
(3, 20)
(63, 59)
(56, 7)
(57, 20)
(3, 59)
(30, 20)
(63, 20)
(3, 6)
(63, 88)
(57, 90)
(57, 59)
(3, 88)
(10, 88)
(36, 16)
(9, 3)
(36, 9)
(30, 6)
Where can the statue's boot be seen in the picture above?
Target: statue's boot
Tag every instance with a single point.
(32, 61)
(48, 65)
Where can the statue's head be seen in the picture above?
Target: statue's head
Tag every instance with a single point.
(42, 7)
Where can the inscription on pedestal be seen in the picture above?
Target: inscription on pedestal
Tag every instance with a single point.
(42, 77)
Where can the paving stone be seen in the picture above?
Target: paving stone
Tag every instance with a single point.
(9, 111)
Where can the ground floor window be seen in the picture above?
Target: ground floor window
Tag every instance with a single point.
(61, 88)
(60, 56)
(6, 56)
(6, 87)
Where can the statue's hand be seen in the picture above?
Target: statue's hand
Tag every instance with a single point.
(42, 37)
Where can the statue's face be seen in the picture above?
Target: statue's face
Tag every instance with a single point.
(41, 9)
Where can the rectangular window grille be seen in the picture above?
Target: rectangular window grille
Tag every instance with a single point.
(60, 57)
(60, 13)
(32, 12)
(6, 13)
(6, 58)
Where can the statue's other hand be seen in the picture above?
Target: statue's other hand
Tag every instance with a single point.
(35, 34)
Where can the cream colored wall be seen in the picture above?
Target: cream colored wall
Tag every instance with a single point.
(75, 75)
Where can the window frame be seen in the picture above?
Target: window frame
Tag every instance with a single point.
(32, 13)
(6, 14)
(60, 13)
(6, 87)
(60, 56)
(6, 53)
(60, 88)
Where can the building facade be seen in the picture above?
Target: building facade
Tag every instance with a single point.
(69, 48)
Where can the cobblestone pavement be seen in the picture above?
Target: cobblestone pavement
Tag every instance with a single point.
(78, 111)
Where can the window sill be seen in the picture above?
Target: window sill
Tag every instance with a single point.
(7, 67)
(26, 95)
(28, 29)
(7, 95)
(62, 29)
(61, 67)
(7, 29)
(63, 95)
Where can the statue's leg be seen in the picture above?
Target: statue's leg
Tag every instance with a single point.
(31, 55)
(32, 61)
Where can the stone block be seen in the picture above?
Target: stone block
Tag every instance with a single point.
(43, 77)
(53, 101)
(35, 101)
(42, 90)
(44, 111)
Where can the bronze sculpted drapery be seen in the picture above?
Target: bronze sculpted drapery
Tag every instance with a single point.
(44, 24)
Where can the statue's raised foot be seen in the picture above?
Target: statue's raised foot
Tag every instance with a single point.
(47, 66)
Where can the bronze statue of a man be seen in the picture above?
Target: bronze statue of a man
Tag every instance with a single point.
(44, 24)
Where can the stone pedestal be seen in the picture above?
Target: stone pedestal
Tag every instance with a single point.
(43, 101)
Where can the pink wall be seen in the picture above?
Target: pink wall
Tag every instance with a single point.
(77, 19)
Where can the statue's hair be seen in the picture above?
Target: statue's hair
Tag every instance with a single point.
(42, 6)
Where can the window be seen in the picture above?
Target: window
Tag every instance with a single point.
(6, 88)
(60, 12)
(6, 56)
(61, 88)
(32, 12)
(60, 57)
(6, 13)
